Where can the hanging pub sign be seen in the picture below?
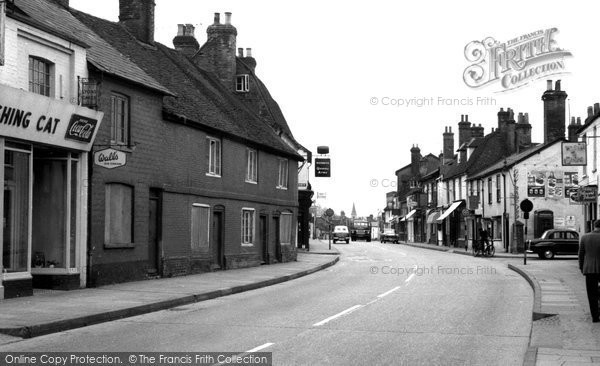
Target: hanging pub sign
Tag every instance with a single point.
(33, 117)
(110, 158)
(574, 153)
(323, 167)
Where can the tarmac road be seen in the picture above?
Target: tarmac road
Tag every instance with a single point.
(382, 304)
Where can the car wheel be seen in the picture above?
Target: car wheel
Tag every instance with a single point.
(368, 240)
(548, 254)
(347, 241)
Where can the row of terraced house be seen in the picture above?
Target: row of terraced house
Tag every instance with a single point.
(446, 199)
(125, 159)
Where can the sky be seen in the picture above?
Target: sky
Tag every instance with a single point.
(371, 79)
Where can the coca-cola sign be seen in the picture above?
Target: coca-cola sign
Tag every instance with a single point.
(81, 128)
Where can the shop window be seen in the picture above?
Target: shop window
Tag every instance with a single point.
(251, 166)
(285, 228)
(247, 226)
(119, 119)
(39, 76)
(16, 213)
(119, 215)
(498, 188)
(200, 227)
(282, 182)
(214, 157)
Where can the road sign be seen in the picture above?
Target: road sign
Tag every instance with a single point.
(329, 212)
(323, 167)
(526, 205)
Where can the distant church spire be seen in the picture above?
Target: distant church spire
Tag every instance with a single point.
(353, 214)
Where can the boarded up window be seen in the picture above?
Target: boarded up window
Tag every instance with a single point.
(119, 214)
(200, 233)
(285, 229)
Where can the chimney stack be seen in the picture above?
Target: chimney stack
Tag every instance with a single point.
(249, 60)
(448, 144)
(572, 129)
(137, 16)
(503, 117)
(415, 160)
(523, 132)
(554, 113)
(218, 54)
(185, 42)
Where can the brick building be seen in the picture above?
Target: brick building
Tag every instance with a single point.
(207, 184)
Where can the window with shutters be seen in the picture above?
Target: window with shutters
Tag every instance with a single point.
(119, 215)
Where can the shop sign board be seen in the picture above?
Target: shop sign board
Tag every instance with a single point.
(37, 118)
(323, 167)
(110, 158)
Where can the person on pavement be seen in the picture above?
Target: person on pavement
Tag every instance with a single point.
(589, 264)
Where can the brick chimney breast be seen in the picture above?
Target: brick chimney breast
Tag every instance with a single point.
(554, 112)
(185, 42)
(137, 16)
(448, 143)
(218, 54)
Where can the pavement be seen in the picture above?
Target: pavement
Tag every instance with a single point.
(55, 311)
(562, 330)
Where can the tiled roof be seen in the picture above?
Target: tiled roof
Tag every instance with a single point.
(201, 100)
(489, 150)
(100, 53)
(511, 160)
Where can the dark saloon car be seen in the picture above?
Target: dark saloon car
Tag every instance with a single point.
(341, 233)
(554, 242)
(388, 235)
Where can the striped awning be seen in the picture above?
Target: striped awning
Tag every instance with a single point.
(450, 209)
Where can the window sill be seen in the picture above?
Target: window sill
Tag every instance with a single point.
(118, 245)
(247, 244)
(282, 188)
(121, 147)
(251, 182)
(213, 175)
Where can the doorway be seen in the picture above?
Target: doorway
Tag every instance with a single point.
(277, 239)
(216, 245)
(264, 239)
(154, 232)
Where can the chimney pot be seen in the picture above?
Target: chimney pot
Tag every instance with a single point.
(180, 29)
(572, 120)
(590, 111)
(596, 108)
(189, 30)
(548, 84)
(466, 118)
(228, 18)
(248, 52)
(557, 85)
(462, 117)
(240, 52)
(450, 129)
(217, 18)
(579, 121)
(526, 117)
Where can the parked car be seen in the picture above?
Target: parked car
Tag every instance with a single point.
(389, 235)
(341, 233)
(554, 242)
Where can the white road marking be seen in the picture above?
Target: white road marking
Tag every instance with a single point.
(388, 292)
(260, 347)
(347, 311)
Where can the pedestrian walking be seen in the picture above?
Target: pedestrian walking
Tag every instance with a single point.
(589, 264)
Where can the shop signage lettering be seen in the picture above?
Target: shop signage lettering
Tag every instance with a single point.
(81, 128)
(20, 118)
(37, 118)
(110, 158)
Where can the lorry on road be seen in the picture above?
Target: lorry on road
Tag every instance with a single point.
(361, 229)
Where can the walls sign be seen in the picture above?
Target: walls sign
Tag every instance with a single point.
(110, 158)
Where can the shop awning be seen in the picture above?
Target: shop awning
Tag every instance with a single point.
(433, 216)
(409, 215)
(453, 207)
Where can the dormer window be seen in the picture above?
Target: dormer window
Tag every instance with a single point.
(242, 83)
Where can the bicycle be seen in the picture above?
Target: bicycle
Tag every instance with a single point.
(489, 250)
(477, 250)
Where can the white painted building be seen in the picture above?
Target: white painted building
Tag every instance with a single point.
(538, 175)
(46, 134)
